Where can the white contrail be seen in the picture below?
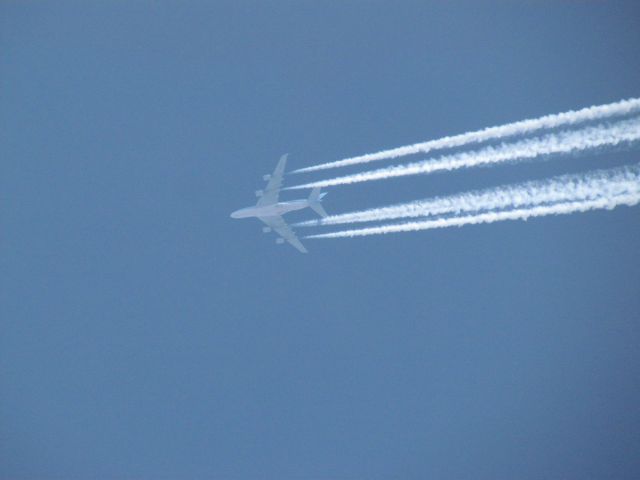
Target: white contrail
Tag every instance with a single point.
(586, 186)
(491, 217)
(566, 142)
(600, 112)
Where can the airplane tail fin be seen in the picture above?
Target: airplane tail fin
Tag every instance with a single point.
(314, 202)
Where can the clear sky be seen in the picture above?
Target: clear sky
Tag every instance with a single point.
(145, 334)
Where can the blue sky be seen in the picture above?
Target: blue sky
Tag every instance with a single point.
(145, 334)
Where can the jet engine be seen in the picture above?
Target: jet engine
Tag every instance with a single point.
(279, 241)
(259, 193)
(266, 229)
(266, 177)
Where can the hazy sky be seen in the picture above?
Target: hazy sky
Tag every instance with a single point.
(145, 334)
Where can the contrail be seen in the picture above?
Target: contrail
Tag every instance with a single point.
(600, 112)
(587, 186)
(562, 208)
(566, 142)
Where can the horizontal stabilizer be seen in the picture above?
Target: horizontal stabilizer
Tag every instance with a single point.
(319, 209)
(314, 202)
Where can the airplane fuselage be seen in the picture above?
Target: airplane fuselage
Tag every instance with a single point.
(270, 210)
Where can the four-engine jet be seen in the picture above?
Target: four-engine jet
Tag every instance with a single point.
(269, 210)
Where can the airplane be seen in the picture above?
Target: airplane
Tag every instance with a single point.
(269, 210)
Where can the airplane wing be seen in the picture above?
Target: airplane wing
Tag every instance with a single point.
(279, 226)
(272, 190)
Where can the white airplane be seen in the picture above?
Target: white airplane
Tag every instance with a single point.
(269, 210)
